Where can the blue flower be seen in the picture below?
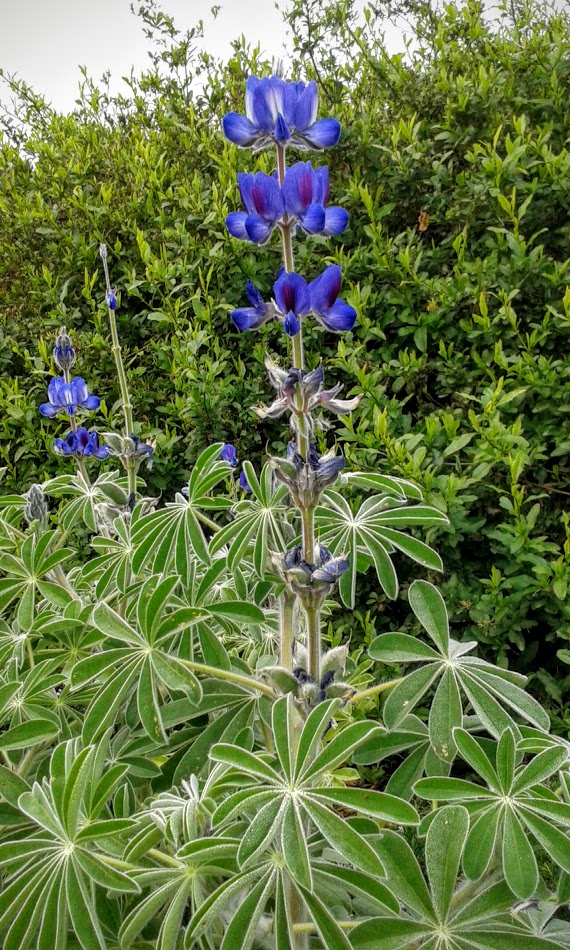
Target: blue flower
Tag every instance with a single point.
(332, 313)
(111, 300)
(292, 300)
(229, 454)
(243, 482)
(263, 203)
(305, 193)
(81, 443)
(283, 112)
(250, 318)
(68, 397)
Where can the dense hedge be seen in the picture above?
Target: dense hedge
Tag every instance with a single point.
(454, 166)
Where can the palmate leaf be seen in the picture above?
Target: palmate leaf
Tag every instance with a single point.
(53, 872)
(109, 488)
(27, 576)
(374, 531)
(258, 522)
(441, 915)
(513, 808)
(487, 688)
(143, 659)
(173, 537)
(282, 818)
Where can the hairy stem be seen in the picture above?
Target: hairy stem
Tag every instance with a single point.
(286, 632)
(238, 678)
(314, 642)
(374, 690)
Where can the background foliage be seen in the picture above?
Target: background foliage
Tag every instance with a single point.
(454, 167)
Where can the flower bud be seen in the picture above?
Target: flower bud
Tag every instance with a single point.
(111, 300)
(36, 508)
(63, 353)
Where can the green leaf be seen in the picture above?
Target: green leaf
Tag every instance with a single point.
(542, 767)
(519, 862)
(175, 675)
(330, 933)
(27, 734)
(429, 607)
(401, 648)
(245, 762)
(449, 789)
(554, 842)
(262, 831)
(241, 930)
(446, 714)
(316, 723)
(369, 802)
(471, 751)
(283, 732)
(480, 842)
(339, 749)
(388, 933)
(407, 694)
(403, 874)
(294, 843)
(444, 847)
(341, 836)
(11, 785)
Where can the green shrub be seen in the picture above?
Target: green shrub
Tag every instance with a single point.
(454, 167)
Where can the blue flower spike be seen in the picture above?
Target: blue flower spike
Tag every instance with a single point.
(68, 397)
(282, 112)
(229, 454)
(332, 313)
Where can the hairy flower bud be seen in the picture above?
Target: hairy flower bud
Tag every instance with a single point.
(63, 353)
(36, 508)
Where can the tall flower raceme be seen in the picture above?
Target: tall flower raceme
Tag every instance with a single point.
(294, 200)
(69, 396)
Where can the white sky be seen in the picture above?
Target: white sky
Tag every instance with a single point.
(44, 41)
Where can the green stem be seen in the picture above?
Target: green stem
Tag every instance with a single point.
(374, 690)
(314, 642)
(286, 632)
(30, 652)
(246, 681)
(205, 520)
(308, 520)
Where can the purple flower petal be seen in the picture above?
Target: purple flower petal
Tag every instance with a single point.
(49, 410)
(235, 223)
(313, 219)
(229, 454)
(102, 452)
(258, 229)
(325, 289)
(340, 318)
(291, 324)
(91, 403)
(324, 133)
(306, 108)
(254, 295)
(281, 131)
(250, 87)
(248, 318)
(292, 294)
(243, 482)
(239, 130)
(262, 113)
(297, 188)
(77, 391)
(336, 220)
(55, 388)
(321, 185)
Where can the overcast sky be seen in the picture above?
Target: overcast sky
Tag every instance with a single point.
(44, 41)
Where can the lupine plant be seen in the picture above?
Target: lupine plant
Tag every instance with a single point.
(188, 761)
